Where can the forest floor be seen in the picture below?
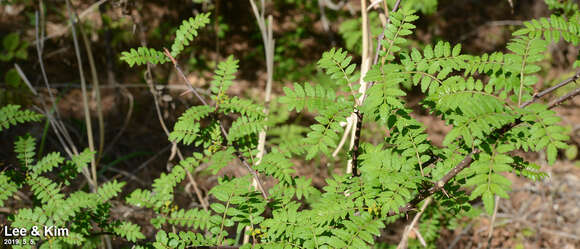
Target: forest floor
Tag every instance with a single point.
(542, 214)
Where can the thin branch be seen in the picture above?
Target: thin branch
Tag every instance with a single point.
(466, 162)
(551, 89)
(409, 228)
(223, 130)
(561, 100)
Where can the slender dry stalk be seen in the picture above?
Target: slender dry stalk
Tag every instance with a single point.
(25, 79)
(268, 40)
(64, 30)
(88, 123)
(491, 224)
(352, 121)
(357, 117)
(56, 124)
(410, 227)
(96, 94)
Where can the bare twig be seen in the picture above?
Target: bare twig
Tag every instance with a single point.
(553, 88)
(410, 227)
(568, 96)
(25, 79)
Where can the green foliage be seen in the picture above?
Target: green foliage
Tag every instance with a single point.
(425, 6)
(129, 231)
(485, 174)
(12, 78)
(25, 150)
(278, 166)
(188, 126)
(325, 134)
(336, 64)
(143, 55)
(400, 26)
(552, 29)
(566, 7)
(526, 52)
(308, 97)
(222, 80)
(13, 48)
(51, 206)
(187, 31)
(11, 115)
(545, 131)
(183, 37)
(7, 188)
